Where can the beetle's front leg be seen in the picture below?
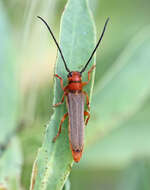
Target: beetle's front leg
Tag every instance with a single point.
(63, 88)
(61, 81)
(89, 76)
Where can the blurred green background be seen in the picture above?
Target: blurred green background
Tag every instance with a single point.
(117, 152)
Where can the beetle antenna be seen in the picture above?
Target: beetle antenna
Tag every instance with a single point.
(55, 42)
(96, 46)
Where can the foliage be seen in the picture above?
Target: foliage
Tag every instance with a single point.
(116, 155)
(10, 159)
(54, 161)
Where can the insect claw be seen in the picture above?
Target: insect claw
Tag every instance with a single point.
(54, 139)
(86, 122)
(55, 105)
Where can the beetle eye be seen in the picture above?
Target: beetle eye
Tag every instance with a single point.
(70, 74)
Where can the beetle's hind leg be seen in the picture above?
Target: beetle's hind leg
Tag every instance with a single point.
(88, 117)
(59, 131)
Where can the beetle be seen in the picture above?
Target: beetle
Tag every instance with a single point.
(75, 97)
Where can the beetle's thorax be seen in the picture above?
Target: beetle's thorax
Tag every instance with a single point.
(75, 82)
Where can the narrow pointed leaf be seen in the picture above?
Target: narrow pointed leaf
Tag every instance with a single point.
(77, 38)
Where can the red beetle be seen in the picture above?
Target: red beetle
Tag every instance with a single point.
(75, 97)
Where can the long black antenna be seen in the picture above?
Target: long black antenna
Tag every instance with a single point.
(96, 46)
(55, 43)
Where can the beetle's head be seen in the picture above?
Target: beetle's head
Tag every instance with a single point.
(74, 76)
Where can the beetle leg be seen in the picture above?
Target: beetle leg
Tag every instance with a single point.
(88, 117)
(87, 99)
(89, 75)
(61, 82)
(62, 100)
(61, 122)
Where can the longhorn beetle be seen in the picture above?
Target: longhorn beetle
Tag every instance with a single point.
(75, 97)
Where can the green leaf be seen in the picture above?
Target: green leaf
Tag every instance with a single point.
(124, 88)
(77, 38)
(8, 84)
(136, 175)
(10, 154)
(67, 185)
(126, 142)
(120, 129)
(10, 166)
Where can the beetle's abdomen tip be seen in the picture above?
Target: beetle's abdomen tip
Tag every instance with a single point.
(77, 154)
